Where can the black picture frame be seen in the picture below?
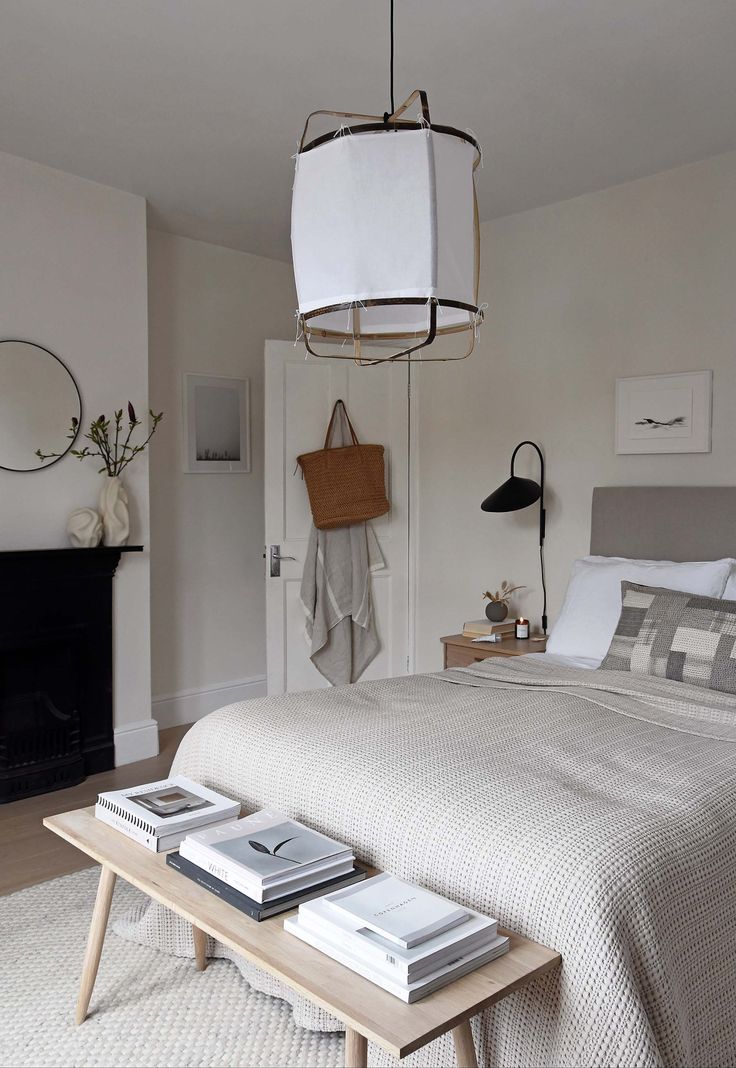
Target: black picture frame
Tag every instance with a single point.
(44, 465)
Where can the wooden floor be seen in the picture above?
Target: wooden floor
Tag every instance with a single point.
(31, 854)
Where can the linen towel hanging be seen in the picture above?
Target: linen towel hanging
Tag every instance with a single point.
(346, 483)
(336, 594)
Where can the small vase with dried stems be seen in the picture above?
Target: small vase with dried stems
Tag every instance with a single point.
(498, 603)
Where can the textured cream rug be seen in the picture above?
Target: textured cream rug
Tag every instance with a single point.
(147, 1009)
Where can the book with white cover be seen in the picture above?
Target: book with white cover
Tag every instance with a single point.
(399, 911)
(388, 981)
(266, 850)
(260, 893)
(160, 814)
(158, 843)
(407, 964)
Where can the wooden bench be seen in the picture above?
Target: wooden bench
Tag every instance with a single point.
(368, 1012)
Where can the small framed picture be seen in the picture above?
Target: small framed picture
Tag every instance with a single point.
(664, 413)
(216, 423)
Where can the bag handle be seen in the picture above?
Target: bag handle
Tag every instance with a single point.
(328, 436)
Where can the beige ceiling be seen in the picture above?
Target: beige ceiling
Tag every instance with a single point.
(197, 104)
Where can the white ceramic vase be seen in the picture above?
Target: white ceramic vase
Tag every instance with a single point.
(114, 510)
(84, 528)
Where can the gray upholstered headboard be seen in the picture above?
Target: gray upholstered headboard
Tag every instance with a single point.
(664, 522)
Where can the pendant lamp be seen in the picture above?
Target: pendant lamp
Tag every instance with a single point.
(384, 234)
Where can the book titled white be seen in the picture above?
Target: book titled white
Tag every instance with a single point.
(399, 911)
(408, 992)
(255, 890)
(406, 964)
(266, 850)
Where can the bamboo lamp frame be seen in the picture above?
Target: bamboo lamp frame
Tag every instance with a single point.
(366, 125)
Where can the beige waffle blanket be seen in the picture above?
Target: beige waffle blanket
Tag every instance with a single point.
(592, 811)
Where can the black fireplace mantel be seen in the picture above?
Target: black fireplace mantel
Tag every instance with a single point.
(56, 666)
(102, 560)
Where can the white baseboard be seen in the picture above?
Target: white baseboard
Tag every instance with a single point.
(136, 741)
(187, 706)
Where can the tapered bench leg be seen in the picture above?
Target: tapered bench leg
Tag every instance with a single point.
(464, 1045)
(356, 1049)
(95, 941)
(200, 948)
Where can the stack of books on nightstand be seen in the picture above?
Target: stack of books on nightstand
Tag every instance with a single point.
(266, 863)
(401, 937)
(482, 628)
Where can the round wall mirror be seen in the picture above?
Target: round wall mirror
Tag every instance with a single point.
(38, 400)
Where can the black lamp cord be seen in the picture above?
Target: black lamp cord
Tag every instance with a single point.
(388, 114)
(544, 588)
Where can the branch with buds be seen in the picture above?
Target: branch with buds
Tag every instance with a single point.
(502, 596)
(111, 440)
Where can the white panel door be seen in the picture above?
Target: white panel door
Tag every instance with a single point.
(300, 394)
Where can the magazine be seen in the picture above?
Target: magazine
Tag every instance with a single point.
(161, 814)
(399, 911)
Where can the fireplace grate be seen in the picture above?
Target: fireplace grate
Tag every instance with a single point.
(40, 746)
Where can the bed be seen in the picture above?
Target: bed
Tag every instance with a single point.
(593, 811)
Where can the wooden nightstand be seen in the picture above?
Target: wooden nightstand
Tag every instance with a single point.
(461, 651)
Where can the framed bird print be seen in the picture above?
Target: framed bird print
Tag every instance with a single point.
(664, 413)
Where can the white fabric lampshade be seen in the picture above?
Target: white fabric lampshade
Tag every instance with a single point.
(381, 216)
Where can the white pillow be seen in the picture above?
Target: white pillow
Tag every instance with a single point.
(730, 591)
(592, 603)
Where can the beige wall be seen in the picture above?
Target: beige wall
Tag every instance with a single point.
(637, 279)
(211, 309)
(73, 279)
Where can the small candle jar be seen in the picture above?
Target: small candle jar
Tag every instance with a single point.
(522, 628)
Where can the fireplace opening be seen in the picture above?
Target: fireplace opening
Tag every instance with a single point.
(40, 743)
(56, 712)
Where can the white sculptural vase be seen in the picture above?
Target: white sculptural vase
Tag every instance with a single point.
(84, 528)
(114, 511)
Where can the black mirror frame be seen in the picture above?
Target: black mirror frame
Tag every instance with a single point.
(45, 466)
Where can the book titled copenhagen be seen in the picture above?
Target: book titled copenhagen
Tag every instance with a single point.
(401, 912)
(266, 855)
(161, 814)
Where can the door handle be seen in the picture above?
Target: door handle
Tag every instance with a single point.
(274, 560)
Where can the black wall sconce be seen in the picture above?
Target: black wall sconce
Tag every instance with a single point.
(516, 493)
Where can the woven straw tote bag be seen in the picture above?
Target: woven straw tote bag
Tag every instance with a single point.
(345, 484)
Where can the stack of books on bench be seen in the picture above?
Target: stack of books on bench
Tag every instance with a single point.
(266, 863)
(401, 937)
